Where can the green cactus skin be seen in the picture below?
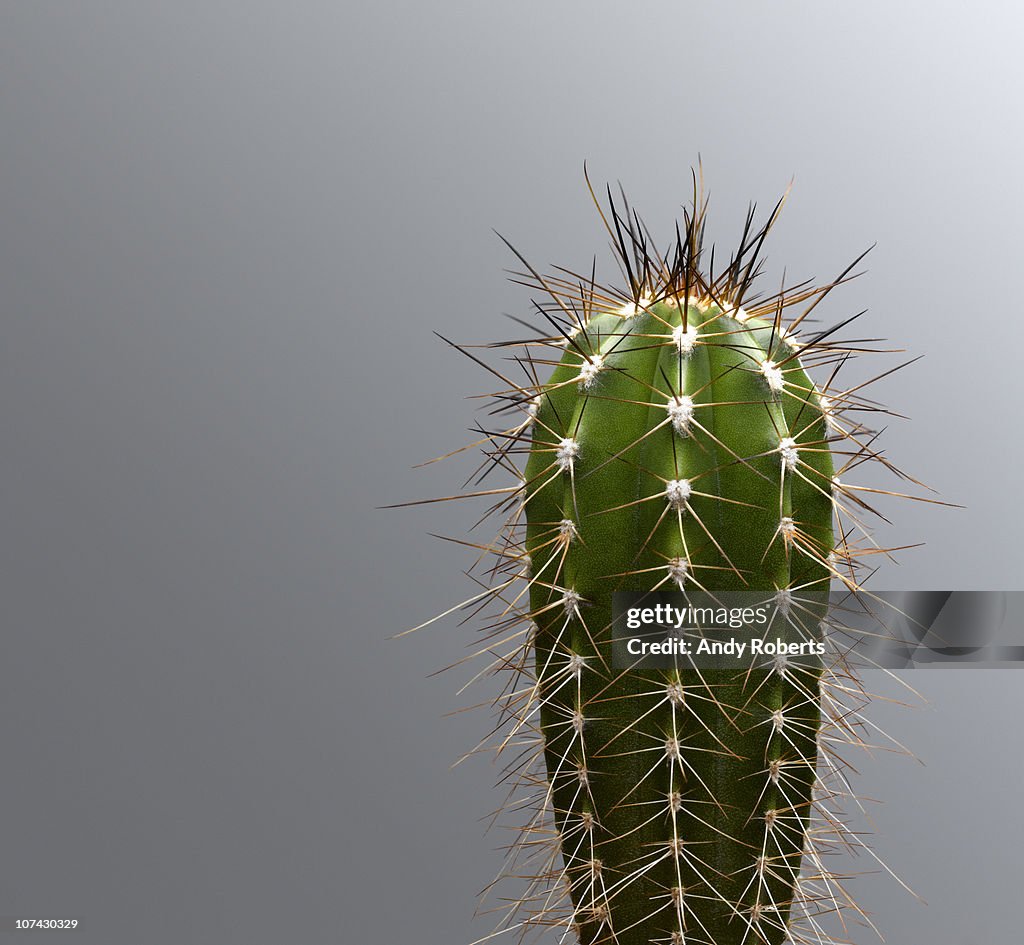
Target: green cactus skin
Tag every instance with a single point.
(668, 436)
(682, 800)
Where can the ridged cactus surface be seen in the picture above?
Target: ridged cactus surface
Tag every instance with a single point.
(680, 446)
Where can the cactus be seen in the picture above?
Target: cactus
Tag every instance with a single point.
(669, 436)
(679, 445)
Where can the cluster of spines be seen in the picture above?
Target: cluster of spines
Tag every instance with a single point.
(561, 688)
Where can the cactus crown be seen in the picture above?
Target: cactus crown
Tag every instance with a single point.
(669, 436)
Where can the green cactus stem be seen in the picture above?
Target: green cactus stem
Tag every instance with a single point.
(681, 444)
(668, 436)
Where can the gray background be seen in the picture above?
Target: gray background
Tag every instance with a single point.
(226, 233)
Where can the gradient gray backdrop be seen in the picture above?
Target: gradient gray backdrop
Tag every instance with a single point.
(227, 231)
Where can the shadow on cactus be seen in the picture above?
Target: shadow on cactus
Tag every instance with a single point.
(668, 435)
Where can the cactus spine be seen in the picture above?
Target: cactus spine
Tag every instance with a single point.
(669, 436)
